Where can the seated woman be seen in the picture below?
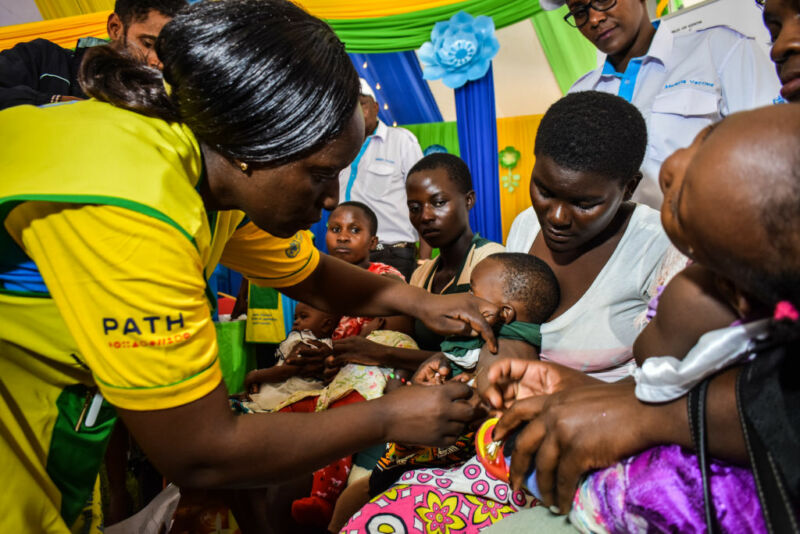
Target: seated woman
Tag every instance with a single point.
(608, 254)
(739, 219)
(440, 195)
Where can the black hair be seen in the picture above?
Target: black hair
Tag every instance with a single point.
(456, 169)
(259, 81)
(138, 10)
(530, 280)
(595, 132)
(371, 217)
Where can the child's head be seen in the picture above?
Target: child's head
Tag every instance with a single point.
(732, 201)
(395, 323)
(320, 323)
(440, 195)
(522, 286)
(352, 233)
(589, 147)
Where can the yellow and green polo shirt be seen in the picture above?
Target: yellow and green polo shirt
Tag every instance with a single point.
(105, 250)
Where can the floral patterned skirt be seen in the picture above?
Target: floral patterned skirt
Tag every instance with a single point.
(459, 500)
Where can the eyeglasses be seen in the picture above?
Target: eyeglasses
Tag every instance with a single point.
(579, 15)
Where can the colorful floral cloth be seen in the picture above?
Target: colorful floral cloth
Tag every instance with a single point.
(463, 500)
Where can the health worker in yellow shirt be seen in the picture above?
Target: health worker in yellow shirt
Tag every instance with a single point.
(115, 211)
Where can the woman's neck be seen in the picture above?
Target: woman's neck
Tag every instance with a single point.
(211, 190)
(639, 47)
(453, 254)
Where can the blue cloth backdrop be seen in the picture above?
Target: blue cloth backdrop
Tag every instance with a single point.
(407, 95)
(477, 138)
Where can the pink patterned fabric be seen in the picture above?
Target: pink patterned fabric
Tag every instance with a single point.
(458, 500)
(351, 326)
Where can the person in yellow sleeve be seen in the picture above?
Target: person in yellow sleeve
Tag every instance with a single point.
(106, 246)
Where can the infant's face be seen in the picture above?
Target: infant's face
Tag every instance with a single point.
(308, 318)
(487, 282)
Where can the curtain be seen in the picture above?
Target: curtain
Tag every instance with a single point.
(477, 137)
(516, 132)
(409, 30)
(54, 9)
(519, 133)
(64, 32)
(438, 133)
(569, 54)
(394, 33)
(403, 96)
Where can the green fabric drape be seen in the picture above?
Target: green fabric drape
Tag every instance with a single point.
(569, 53)
(436, 133)
(408, 31)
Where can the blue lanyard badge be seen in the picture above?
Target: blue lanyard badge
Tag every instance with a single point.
(354, 166)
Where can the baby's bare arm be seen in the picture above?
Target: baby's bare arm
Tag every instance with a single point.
(690, 306)
(507, 348)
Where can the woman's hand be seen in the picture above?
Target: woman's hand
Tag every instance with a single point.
(433, 415)
(511, 379)
(309, 360)
(356, 349)
(340, 287)
(433, 371)
(576, 431)
(461, 314)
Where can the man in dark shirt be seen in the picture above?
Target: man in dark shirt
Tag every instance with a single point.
(39, 71)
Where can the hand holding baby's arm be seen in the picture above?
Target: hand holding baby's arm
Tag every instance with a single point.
(433, 371)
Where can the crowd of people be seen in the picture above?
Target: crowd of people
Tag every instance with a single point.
(636, 336)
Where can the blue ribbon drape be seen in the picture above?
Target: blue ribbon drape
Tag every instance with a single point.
(477, 138)
(407, 95)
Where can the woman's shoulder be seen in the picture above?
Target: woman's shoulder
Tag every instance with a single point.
(644, 242)
(421, 273)
(523, 231)
(484, 248)
(645, 224)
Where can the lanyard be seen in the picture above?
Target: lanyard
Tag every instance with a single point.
(354, 167)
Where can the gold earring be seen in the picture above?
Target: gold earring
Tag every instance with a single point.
(243, 166)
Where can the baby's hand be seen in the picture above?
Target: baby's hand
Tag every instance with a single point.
(433, 371)
(464, 377)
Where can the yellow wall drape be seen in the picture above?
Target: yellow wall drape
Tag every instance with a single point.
(519, 132)
(68, 20)
(364, 9)
(324, 9)
(54, 9)
(64, 32)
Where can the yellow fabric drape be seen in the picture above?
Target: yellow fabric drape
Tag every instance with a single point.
(54, 9)
(363, 9)
(519, 132)
(68, 20)
(324, 9)
(64, 32)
